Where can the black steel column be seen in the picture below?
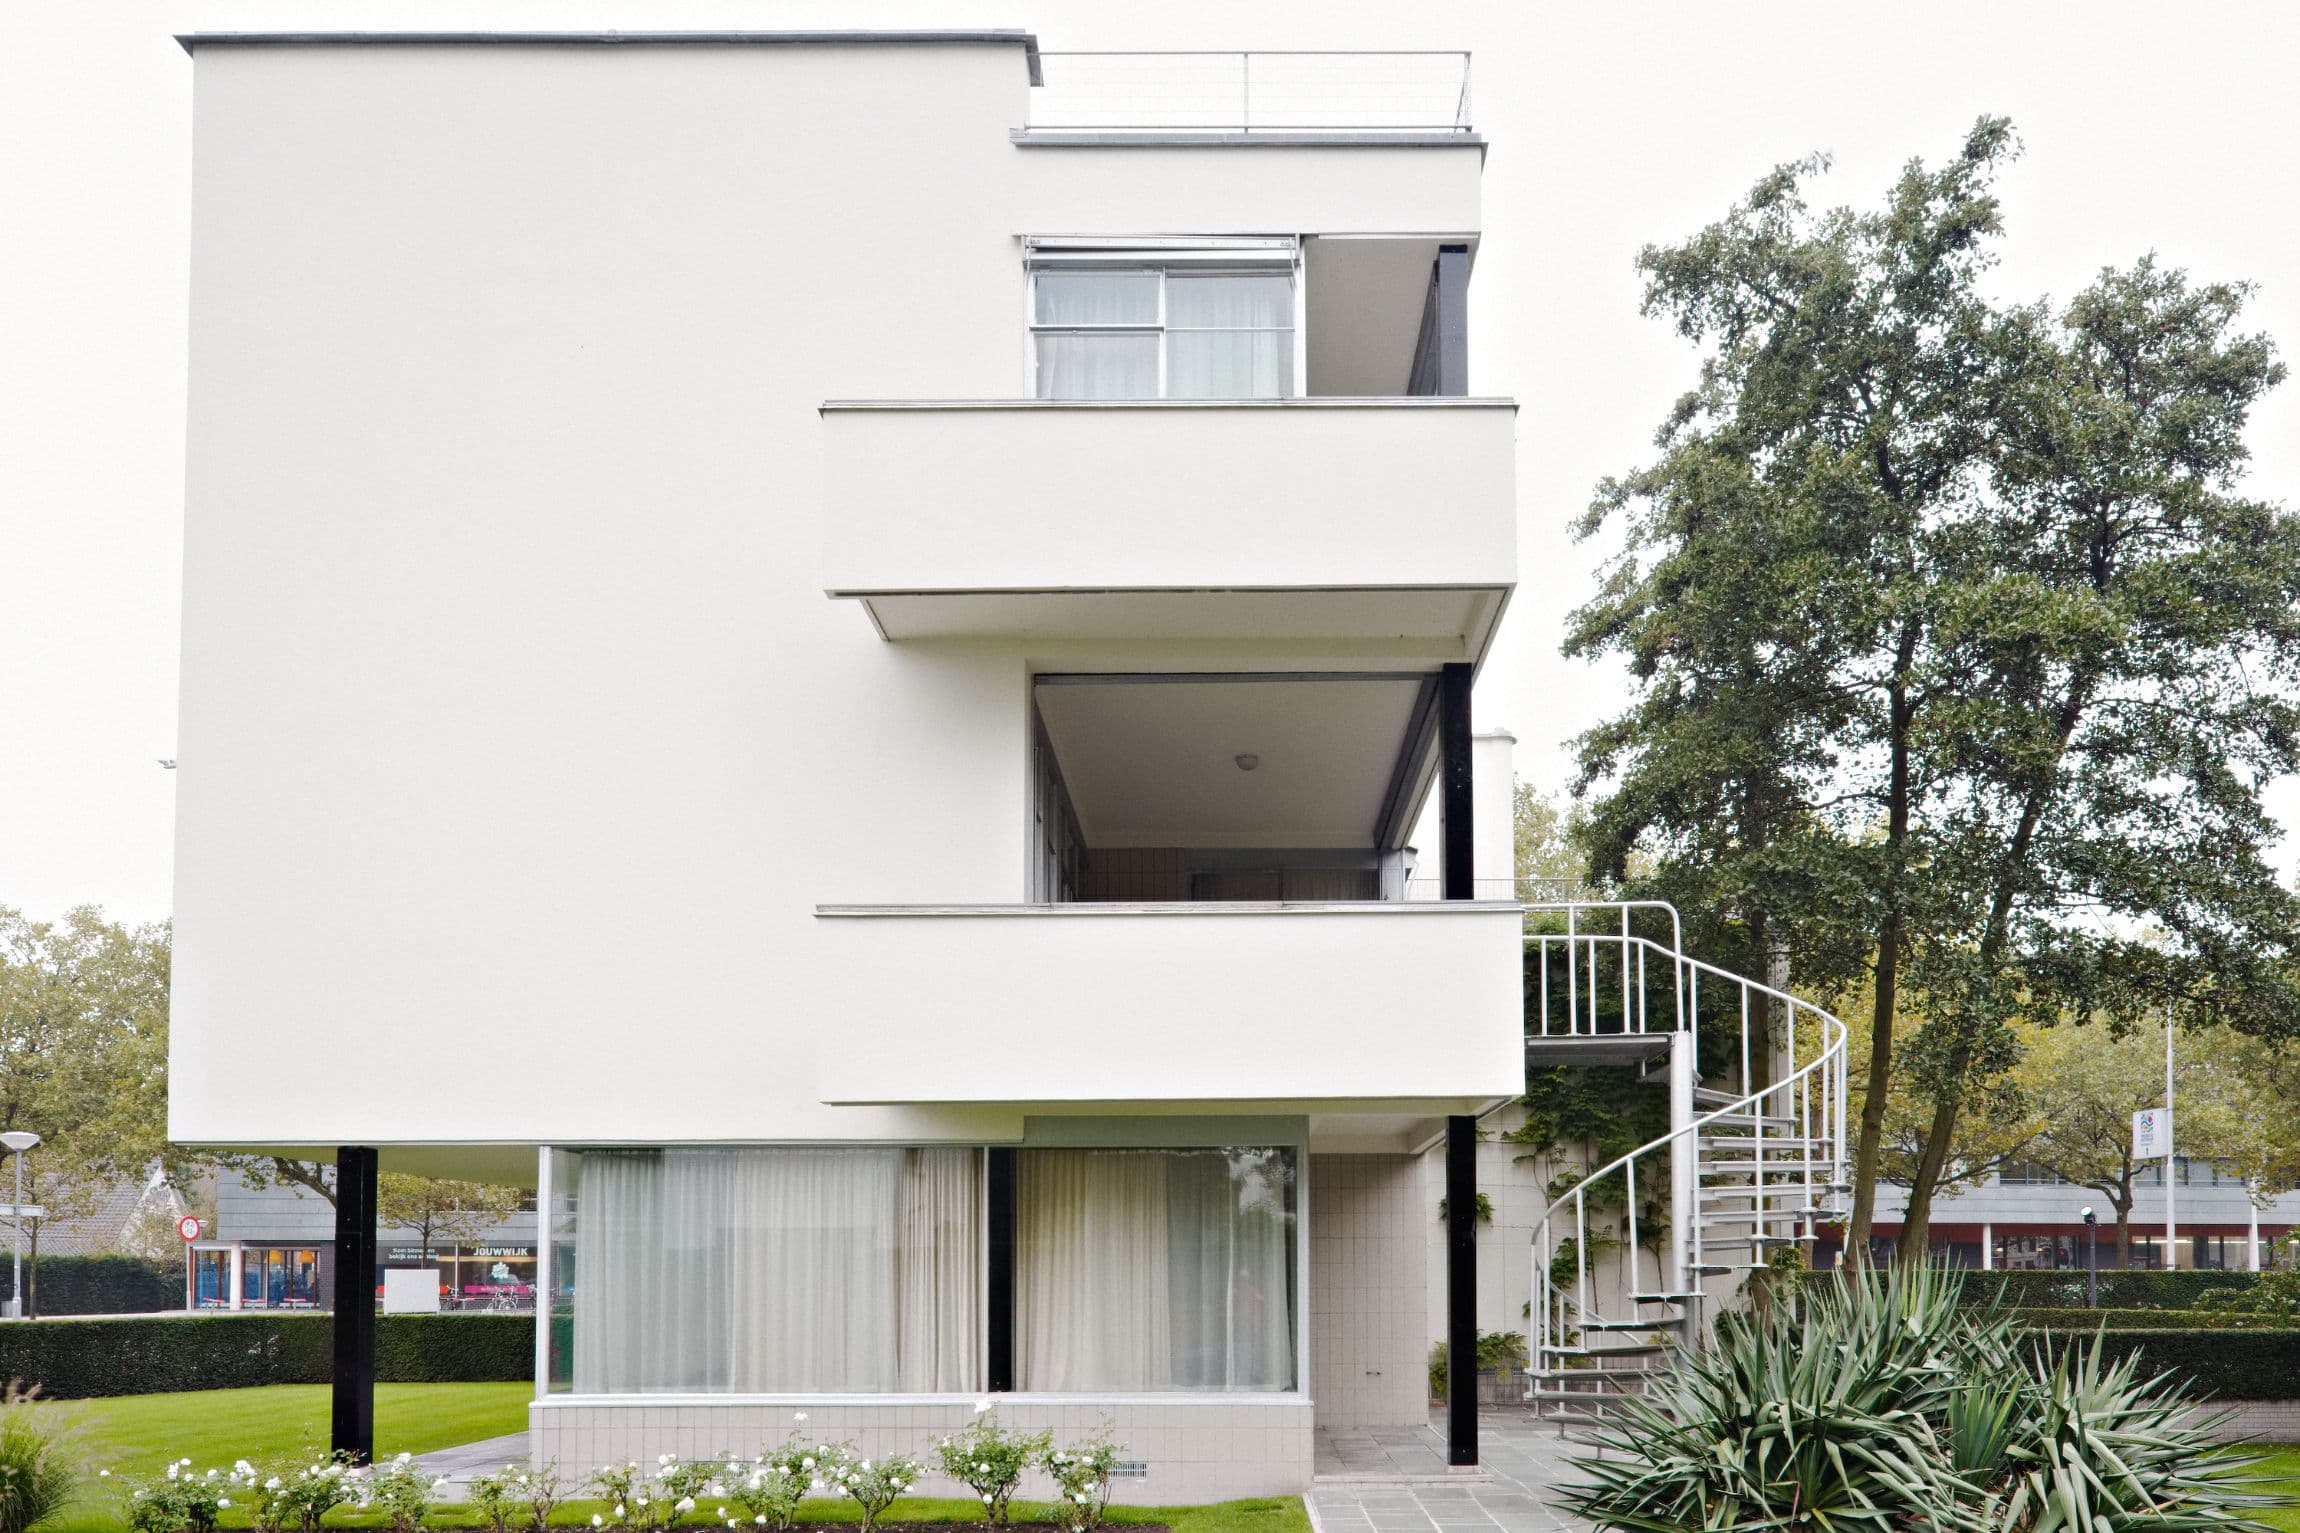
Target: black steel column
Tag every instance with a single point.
(352, 1423)
(1461, 1289)
(999, 1297)
(1457, 821)
(1452, 326)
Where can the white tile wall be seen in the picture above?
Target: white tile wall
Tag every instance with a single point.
(1197, 1450)
(1369, 1286)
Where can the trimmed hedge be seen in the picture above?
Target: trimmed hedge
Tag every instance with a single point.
(75, 1359)
(104, 1285)
(2227, 1365)
(2118, 1289)
(2079, 1318)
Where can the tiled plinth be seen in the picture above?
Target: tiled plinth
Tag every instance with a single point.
(1193, 1450)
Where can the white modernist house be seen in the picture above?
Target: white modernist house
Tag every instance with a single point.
(828, 649)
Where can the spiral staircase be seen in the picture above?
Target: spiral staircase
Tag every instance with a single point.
(1630, 1261)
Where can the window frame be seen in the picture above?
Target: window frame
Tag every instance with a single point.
(1257, 257)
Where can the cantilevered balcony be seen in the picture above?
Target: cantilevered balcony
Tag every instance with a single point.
(1386, 525)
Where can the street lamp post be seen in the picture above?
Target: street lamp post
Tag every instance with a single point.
(18, 1142)
(2091, 1257)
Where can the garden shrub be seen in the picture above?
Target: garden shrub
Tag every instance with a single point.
(2225, 1364)
(2082, 1319)
(79, 1359)
(990, 1461)
(38, 1474)
(106, 1285)
(2137, 1289)
(1888, 1402)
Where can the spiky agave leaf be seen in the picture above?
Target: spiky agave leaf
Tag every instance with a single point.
(2111, 1451)
(1827, 1421)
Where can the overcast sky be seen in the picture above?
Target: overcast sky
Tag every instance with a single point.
(2172, 128)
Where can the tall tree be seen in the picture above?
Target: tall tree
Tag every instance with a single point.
(1964, 599)
(2124, 627)
(1769, 596)
(440, 1210)
(2084, 1083)
(83, 1059)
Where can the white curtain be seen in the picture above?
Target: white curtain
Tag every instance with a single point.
(1154, 1270)
(762, 1270)
(1229, 336)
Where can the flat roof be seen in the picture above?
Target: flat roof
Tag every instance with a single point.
(999, 36)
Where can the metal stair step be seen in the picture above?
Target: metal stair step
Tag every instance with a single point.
(1734, 1242)
(1687, 1297)
(1719, 1269)
(1595, 1378)
(1751, 1121)
(1633, 1349)
(1631, 1325)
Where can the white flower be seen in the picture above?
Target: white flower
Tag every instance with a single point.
(980, 1406)
(619, 1509)
(273, 1483)
(223, 1501)
(684, 1504)
(598, 1521)
(1081, 1498)
(798, 1415)
(986, 1498)
(103, 1474)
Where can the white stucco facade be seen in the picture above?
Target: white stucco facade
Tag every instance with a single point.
(621, 553)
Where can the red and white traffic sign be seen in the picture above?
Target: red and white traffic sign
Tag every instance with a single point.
(188, 1227)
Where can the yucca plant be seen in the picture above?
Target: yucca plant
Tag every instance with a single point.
(1828, 1420)
(2106, 1450)
(1885, 1405)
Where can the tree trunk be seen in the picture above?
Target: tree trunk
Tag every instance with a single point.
(2124, 1240)
(1889, 936)
(1917, 1224)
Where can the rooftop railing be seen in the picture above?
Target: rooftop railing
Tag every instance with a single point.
(1253, 92)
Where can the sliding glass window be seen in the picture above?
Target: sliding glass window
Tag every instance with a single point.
(1161, 332)
(1155, 1270)
(773, 1270)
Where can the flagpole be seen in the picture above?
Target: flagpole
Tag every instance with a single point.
(2171, 1227)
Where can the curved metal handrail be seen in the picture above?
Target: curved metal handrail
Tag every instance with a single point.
(1823, 1076)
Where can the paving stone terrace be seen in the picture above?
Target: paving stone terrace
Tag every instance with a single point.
(1396, 1480)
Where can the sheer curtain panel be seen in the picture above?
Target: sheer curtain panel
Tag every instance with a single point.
(773, 1270)
(1155, 1270)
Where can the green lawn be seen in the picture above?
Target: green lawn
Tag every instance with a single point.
(2284, 1464)
(139, 1434)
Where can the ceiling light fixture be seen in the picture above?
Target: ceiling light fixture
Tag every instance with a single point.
(1247, 761)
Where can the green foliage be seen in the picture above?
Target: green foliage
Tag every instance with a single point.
(83, 1053)
(109, 1285)
(1081, 1474)
(515, 1497)
(1833, 1422)
(1497, 1352)
(990, 1461)
(144, 1354)
(2080, 1319)
(1889, 1404)
(2103, 1447)
(771, 1485)
(39, 1473)
(1959, 657)
(1482, 1211)
(2271, 1297)
(295, 1491)
(2137, 1289)
(871, 1484)
(177, 1501)
(399, 1490)
(2227, 1364)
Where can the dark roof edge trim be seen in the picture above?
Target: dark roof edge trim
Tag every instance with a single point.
(1008, 36)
